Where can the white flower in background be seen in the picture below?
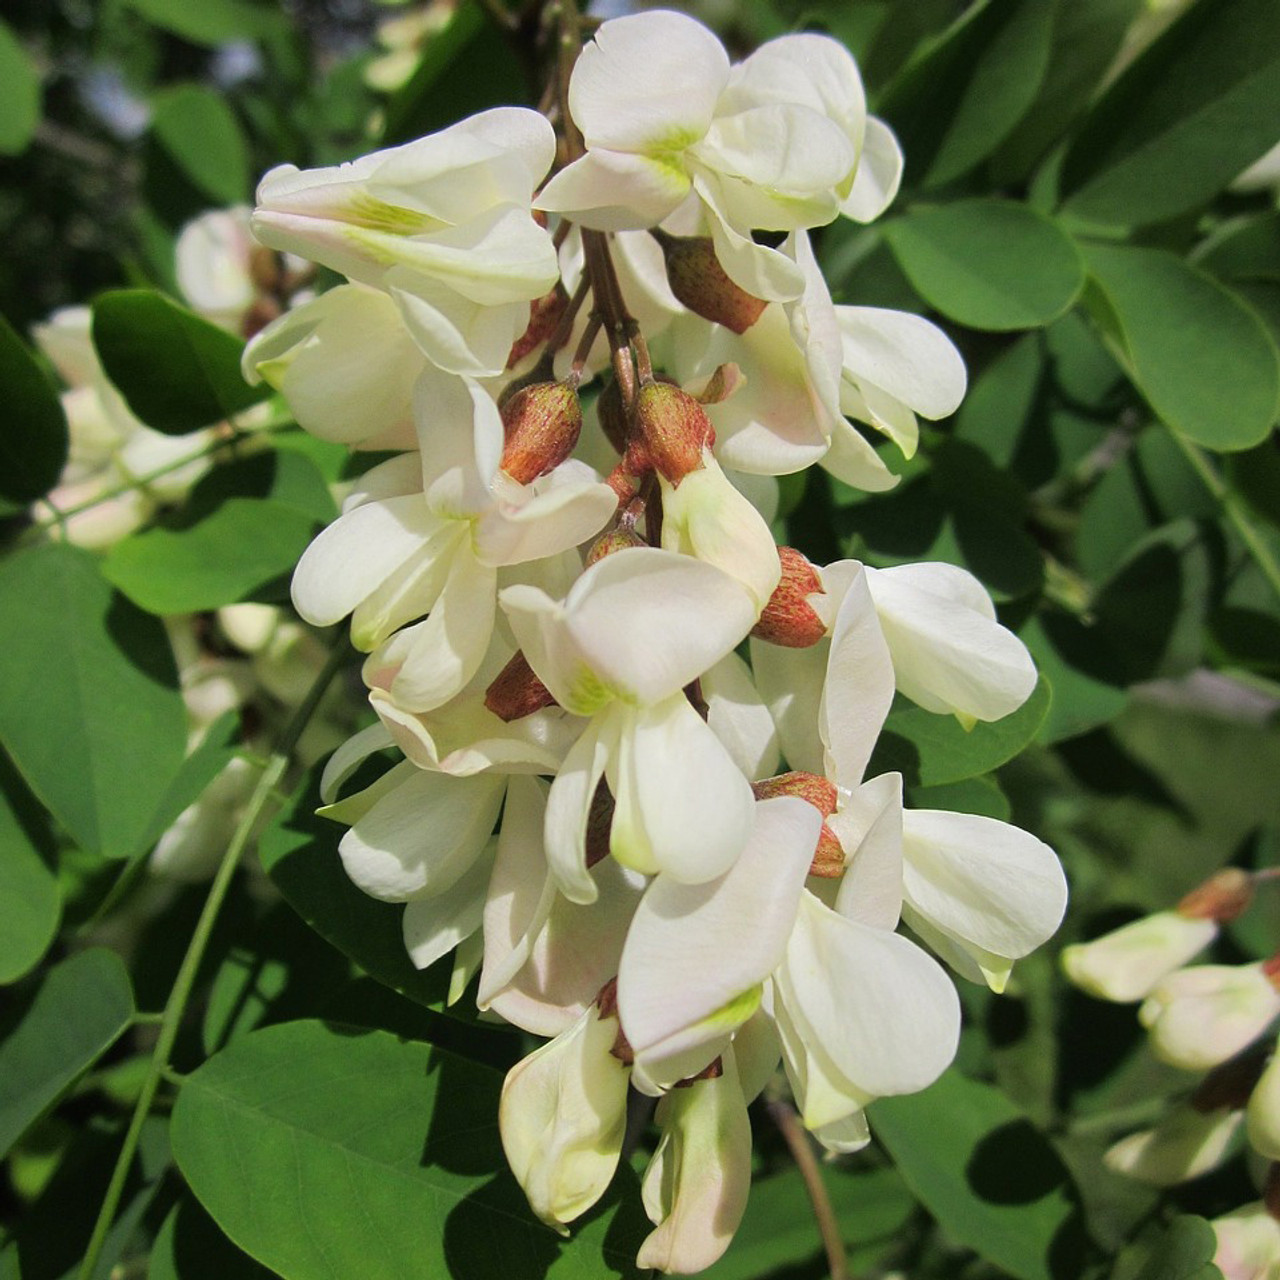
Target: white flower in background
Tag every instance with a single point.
(1125, 964)
(1185, 1144)
(562, 1118)
(646, 93)
(695, 1188)
(1202, 1016)
(1248, 1243)
(1262, 1115)
(426, 534)
(213, 261)
(442, 224)
(633, 631)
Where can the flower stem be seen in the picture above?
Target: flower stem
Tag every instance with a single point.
(783, 1114)
(175, 1006)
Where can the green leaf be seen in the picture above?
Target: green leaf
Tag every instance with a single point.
(1193, 111)
(104, 736)
(19, 94)
(189, 1246)
(1001, 401)
(1244, 249)
(75, 1014)
(1184, 1251)
(988, 264)
(30, 904)
(1202, 359)
(974, 795)
(1083, 670)
(324, 1152)
(177, 371)
(33, 444)
(966, 90)
(199, 130)
(987, 1175)
(300, 853)
(210, 22)
(931, 750)
(779, 1230)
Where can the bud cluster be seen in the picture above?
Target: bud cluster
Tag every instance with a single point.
(559, 656)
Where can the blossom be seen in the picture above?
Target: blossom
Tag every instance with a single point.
(1128, 962)
(442, 224)
(1262, 1114)
(1185, 1144)
(1248, 1243)
(649, 95)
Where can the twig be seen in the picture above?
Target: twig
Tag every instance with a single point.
(783, 1114)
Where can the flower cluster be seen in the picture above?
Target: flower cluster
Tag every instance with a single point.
(1213, 1019)
(563, 658)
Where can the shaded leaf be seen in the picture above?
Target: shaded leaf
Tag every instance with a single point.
(176, 371)
(1192, 111)
(1182, 1251)
(33, 445)
(1083, 670)
(19, 94)
(75, 1014)
(30, 904)
(1201, 358)
(189, 1246)
(105, 738)
(987, 1175)
(988, 264)
(381, 1159)
(211, 22)
(199, 130)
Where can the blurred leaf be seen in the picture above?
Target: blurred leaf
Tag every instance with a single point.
(105, 737)
(1201, 358)
(1087, 35)
(1244, 249)
(986, 1175)
(779, 1231)
(33, 445)
(210, 22)
(973, 795)
(1084, 371)
(931, 750)
(177, 371)
(1182, 1251)
(19, 94)
(300, 853)
(30, 904)
(1192, 112)
(323, 1114)
(1000, 402)
(189, 1246)
(75, 1014)
(988, 264)
(964, 91)
(466, 68)
(1082, 670)
(199, 130)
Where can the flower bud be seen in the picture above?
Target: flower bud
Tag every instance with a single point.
(1184, 1145)
(1248, 1243)
(541, 425)
(544, 315)
(516, 692)
(789, 619)
(673, 429)
(699, 281)
(620, 539)
(1263, 1112)
(1222, 898)
(562, 1117)
(1202, 1016)
(1127, 963)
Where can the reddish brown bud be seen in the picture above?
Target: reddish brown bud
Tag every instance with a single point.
(516, 692)
(544, 315)
(699, 281)
(828, 856)
(599, 823)
(789, 619)
(623, 482)
(541, 424)
(1221, 898)
(619, 539)
(673, 429)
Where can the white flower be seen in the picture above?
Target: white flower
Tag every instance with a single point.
(1262, 1115)
(212, 262)
(562, 1118)
(442, 224)
(633, 631)
(1248, 1244)
(1125, 964)
(695, 1188)
(1185, 1144)
(647, 95)
(1202, 1016)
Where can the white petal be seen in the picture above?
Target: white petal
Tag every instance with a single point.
(791, 682)
(557, 511)
(982, 881)
(879, 173)
(690, 953)
(349, 757)
(648, 81)
(568, 806)
(852, 459)
(615, 191)
(435, 924)
(739, 718)
(683, 806)
(761, 271)
(905, 356)
(460, 430)
(422, 836)
(869, 828)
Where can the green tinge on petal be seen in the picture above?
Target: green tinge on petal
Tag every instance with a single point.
(368, 211)
(731, 1015)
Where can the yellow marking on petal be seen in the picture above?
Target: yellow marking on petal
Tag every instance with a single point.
(736, 1011)
(377, 215)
